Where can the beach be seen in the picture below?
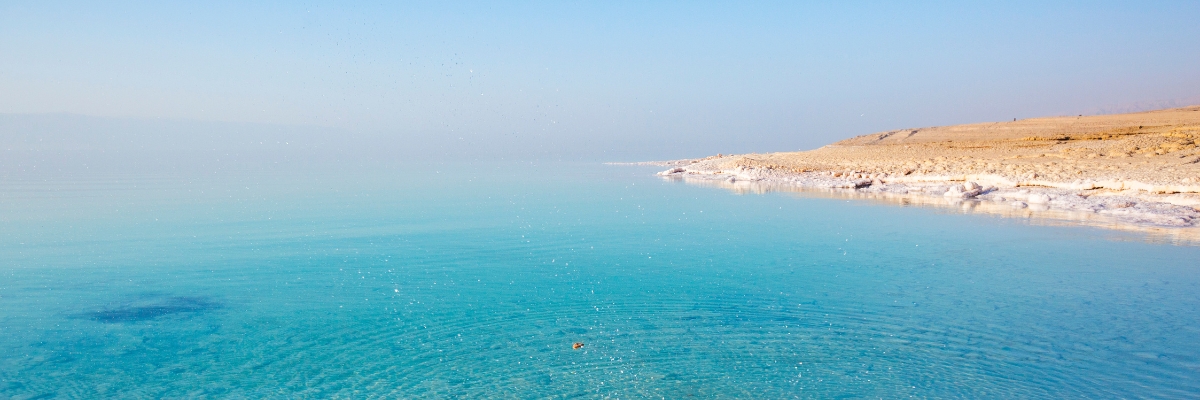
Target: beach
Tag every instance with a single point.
(1127, 171)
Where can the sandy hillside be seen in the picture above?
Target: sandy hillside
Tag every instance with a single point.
(1154, 151)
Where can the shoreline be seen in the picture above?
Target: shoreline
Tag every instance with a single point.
(1129, 212)
(1034, 214)
(1131, 172)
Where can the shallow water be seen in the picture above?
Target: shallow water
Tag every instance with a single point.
(476, 283)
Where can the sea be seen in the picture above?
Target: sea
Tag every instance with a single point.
(566, 279)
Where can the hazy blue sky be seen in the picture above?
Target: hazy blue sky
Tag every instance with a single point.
(659, 79)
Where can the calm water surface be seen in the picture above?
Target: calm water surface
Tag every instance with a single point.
(476, 283)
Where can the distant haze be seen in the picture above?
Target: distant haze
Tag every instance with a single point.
(592, 81)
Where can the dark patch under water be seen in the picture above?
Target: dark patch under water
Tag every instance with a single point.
(148, 310)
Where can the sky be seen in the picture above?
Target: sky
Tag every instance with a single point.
(617, 81)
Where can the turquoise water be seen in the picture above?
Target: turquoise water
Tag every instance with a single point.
(476, 283)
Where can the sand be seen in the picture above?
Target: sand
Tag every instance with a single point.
(1127, 171)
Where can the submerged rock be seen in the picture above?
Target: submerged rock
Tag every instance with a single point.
(151, 309)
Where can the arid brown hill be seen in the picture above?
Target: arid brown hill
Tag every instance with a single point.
(1154, 150)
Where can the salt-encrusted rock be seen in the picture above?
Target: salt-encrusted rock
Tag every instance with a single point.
(850, 184)
(969, 186)
(1038, 199)
(1019, 204)
(1081, 184)
(672, 171)
(957, 192)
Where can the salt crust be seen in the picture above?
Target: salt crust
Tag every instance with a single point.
(1166, 217)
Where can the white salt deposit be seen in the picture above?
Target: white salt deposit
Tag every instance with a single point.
(1131, 206)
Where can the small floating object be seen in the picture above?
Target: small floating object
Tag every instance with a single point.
(577, 346)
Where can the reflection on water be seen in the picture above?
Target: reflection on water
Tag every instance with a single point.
(1035, 214)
